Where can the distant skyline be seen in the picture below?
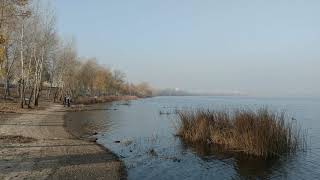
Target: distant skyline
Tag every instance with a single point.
(258, 48)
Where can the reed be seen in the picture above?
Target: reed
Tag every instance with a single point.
(260, 133)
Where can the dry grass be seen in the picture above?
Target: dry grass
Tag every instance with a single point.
(8, 106)
(261, 133)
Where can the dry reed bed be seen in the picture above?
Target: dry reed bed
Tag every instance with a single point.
(260, 133)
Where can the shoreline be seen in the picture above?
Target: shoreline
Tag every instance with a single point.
(103, 99)
(90, 137)
(53, 152)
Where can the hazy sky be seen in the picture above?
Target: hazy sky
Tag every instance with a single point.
(269, 47)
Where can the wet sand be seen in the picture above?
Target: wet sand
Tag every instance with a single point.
(50, 151)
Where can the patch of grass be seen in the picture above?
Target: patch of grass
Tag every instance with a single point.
(260, 133)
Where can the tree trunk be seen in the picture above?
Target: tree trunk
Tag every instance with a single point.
(38, 79)
(7, 89)
(22, 69)
(30, 98)
(22, 94)
(7, 86)
(36, 100)
(19, 87)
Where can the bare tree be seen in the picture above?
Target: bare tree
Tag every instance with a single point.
(8, 42)
(33, 56)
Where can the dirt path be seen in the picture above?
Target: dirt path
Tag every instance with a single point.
(52, 153)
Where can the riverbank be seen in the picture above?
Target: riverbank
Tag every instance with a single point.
(86, 100)
(36, 145)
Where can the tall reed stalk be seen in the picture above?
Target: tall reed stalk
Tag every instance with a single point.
(261, 132)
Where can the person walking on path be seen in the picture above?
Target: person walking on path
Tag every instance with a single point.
(65, 101)
(68, 101)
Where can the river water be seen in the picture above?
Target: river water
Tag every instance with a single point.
(141, 133)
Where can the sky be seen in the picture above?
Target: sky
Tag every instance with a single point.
(261, 48)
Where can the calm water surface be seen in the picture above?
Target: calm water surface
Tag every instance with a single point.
(151, 151)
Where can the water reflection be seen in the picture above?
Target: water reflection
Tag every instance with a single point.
(245, 165)
(140, 128)
(90, 121)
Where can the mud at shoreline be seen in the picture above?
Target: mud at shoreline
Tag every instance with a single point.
(53, 152)
(87, 132)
